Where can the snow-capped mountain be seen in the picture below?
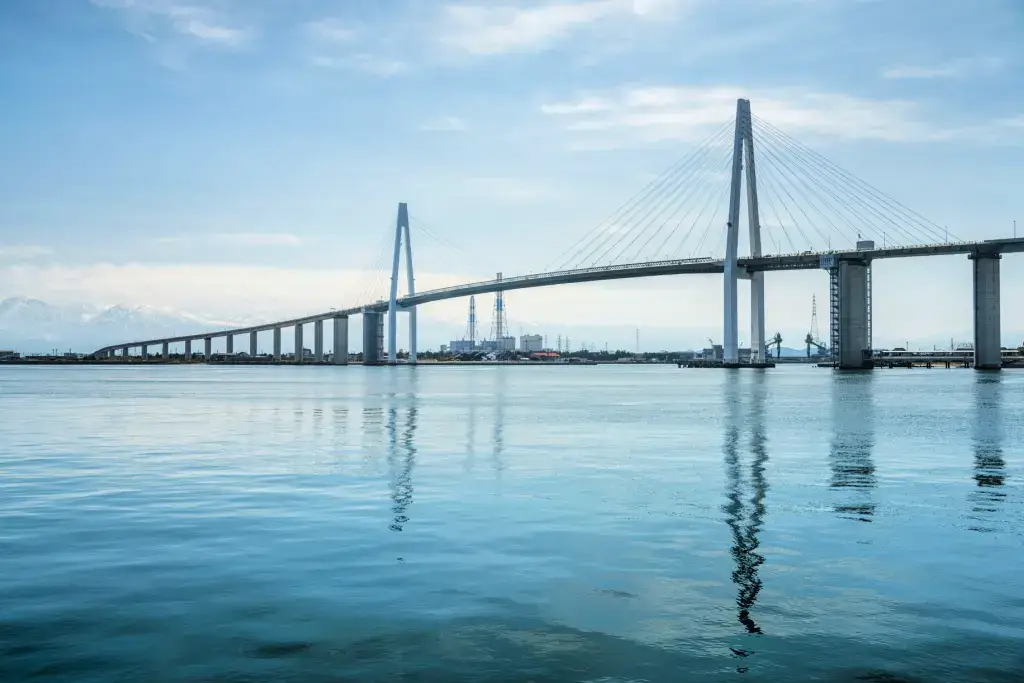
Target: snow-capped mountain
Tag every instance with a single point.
(29, 325)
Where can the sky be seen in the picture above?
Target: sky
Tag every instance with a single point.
(243, 159)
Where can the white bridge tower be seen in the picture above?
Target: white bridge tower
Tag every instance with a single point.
(743, 147)
(401, 228)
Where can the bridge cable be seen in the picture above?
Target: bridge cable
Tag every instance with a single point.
(711, 221)
(679, 247)
(791, 178)
(681, 197)
(586, 243)
(679, 178)
(639, 196)
(859, 200)
(927, 226)
(707, 184)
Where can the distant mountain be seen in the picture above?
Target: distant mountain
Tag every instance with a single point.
(30, 326)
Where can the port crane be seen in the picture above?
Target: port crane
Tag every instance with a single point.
(776, 341)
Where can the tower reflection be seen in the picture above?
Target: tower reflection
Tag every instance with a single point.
(745, 516)
(853, 439)
(402, 452)
(987, 441)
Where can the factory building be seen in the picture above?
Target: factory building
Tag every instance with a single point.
(529, 343)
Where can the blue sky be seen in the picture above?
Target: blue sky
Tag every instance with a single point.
(244, 159)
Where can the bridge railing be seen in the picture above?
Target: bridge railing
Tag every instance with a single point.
(563, 273)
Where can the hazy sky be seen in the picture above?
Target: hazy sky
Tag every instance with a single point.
(244, 158)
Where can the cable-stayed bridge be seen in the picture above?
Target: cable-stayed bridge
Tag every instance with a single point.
(813, 213)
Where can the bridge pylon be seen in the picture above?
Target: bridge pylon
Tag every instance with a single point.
(743, 146)
(401, 231)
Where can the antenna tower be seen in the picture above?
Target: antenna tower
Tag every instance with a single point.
(813, 332)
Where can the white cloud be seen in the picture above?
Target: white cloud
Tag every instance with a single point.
(156, 20)
(363, 62)
(241, 239)
(504, 27)
(957, 68)
(640, 115)
(505, 189)
(331, 30)
(23, 252)
(452, 124)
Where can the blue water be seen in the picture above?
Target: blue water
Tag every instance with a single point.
(510, 524)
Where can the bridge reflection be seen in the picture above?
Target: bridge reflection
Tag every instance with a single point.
(853, 440)
(401, 454)
(745, 516)
(987, 441)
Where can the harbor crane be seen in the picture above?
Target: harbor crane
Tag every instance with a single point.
(776, 341)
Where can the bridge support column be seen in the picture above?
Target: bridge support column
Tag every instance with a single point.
(401, 228)
(253, 346)
(188, 349)
(277, 343)
(854, 316)
(987, 332)
(144, 352)
(373, 338)
(340, 341)
(318, 341)
(298, 344)
(166, 351)
(208, 348)
(125, 352)
(229, 344)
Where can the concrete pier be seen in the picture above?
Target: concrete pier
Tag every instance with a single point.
(854, 309)
(208, 348)
(298, 344)
(166, 351)
(987, 332)
(252, 344)
(229, 343)
(373, 338)
(340, 341)
(188, 349)
(277, 343)
(318, 341)
(144, 351)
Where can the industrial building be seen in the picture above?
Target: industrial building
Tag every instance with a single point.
(529, 343)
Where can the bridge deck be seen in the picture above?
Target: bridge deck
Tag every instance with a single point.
(801, 261)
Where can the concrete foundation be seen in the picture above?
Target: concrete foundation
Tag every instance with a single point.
(373, 338)
(298, 344)
(318, 341)
(208, 348)
(277, 343)
(340, 341)
(229, 344)
(253, 338)
(987, 332)
(854, 311)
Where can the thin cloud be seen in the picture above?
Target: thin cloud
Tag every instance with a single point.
(163, 20)
(23, 252)
(958, 68)
(364, 63)
(450, 124)
(643, 115)
(239, 239)
(498, 28)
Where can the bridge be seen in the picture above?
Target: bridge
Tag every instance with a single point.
(833, 203)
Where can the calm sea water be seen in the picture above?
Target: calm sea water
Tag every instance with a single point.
(510, 524)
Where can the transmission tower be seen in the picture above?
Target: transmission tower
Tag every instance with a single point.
(499, 324)
(471, 323)
(814, 319)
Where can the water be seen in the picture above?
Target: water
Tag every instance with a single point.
(510, 524)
